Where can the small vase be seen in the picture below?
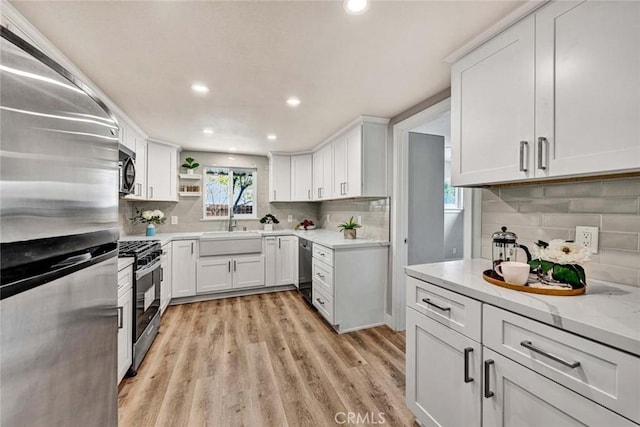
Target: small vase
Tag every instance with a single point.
(350, 234)
(151, 230)
(268, 227)
(189, 171)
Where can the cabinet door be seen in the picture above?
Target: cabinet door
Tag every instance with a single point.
(248, 271)
(301, 177)
(318, 174)
(340, 155)
(280, 182)
(165, 283)
(353, 184)
(270, 258)
(438, 358)
(213, 274)
(140, 187)
(327, 173)
(183, 268)
(517, 396)
(587, 87)
(286, 260)
(492, 109)
(125, 331)
(161, 172)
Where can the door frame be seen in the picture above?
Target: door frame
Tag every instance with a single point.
(400, 209)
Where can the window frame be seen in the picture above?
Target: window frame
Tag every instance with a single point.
(231, 169)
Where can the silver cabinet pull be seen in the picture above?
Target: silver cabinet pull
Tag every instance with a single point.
(161, 274)
(191, 248)
(542, 152)
(346, 188)
(274, 194)
(320, 301)
(235, 266)
(120, 315)
(487, 383)
(151, 192)
(320, 275)
(524, 146)
(279, 243)
(309, 194)
(467, 351)
(439, 307)
(530, 346)
(229, 266)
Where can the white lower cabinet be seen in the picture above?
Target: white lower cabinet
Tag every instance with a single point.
(216, 274)
(445, 385)
(524, 373)
(184, 254)
(125, 317)
(281, 260)
(165, 277)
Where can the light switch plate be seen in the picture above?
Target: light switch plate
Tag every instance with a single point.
(360, 219)
(587, 237)
(290, 218)
(174, 220)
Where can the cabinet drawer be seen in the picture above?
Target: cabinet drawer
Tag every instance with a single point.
(323, 276)
(458, 312)
(323, 302)
(323, 253)
(600, 373)
(125, 278)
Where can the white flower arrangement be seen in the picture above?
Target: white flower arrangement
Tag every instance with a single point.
(560, 262)
(149, 217)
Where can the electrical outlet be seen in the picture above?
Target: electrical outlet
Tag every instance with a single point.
(328, 217)
(454, 251)
(360, 220)
(174, 220)
(587, 237)
(290, 218)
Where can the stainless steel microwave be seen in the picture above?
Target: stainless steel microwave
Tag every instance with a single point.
(127, 168)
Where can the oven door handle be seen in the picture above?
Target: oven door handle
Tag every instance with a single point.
(148, 269)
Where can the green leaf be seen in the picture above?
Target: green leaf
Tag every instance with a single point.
(545, 266)
(567, 274)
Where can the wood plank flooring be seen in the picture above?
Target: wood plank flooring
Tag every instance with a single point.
(264, 360)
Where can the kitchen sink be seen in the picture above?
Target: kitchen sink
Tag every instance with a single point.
(230, 243)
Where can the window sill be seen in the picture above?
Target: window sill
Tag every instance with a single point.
(453, 210)
(226, 218)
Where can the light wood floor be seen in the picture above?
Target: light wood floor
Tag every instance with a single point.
(263, 360)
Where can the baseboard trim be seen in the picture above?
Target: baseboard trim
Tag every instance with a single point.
(357, 328)
(388, 320)
(230, 294)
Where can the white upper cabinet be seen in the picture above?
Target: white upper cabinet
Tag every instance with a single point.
(555, 95)
(127, 137)
(323, 173)
(588, 87)
(140, 186)
(301, 178)
(492, 109)
(279, 178)
(162, 172)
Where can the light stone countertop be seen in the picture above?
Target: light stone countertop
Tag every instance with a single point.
(124, 263)
(328, 238)
(608, 313)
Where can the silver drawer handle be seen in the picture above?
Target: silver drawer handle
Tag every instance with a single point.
(320, 275)
(524, 147)
(530, 346)
(321, 302)
(439, 307)
(120, 317)
(322, 254)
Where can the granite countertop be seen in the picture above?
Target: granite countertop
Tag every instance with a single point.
(328, 238)
(607, 312)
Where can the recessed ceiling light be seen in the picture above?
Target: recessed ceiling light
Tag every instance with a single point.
(231, 158)
(199, 88)
(272, 137)
(293, 101)
(207, 131)
(356, 7)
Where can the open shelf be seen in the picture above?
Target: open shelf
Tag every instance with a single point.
(187, 176)
(190, 193)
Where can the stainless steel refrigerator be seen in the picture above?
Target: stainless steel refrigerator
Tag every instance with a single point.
(58, 236)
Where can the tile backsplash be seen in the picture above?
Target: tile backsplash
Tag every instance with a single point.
(374, 214)
(546, 212)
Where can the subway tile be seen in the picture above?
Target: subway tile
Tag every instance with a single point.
(622, 187)
(530, 219)
(611, 205)
(544, 206)
(628, 223)
(574, 190)
(490, 217)
(570, 220)
(533, 234)
(499, 206)
(490, 194)
(522, 193)
(620, 258)
(624, 241)
(612, 273)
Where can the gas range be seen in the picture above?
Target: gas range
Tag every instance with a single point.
(145, 252)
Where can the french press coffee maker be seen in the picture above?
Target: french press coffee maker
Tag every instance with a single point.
(505, 247)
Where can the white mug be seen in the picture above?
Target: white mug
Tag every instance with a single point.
(514, 272)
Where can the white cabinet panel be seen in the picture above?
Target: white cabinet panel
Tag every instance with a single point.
(279, 178)
(165, 282)
(184, 254)
(269, 249)
(301, 178)
(587, 87)
(517, 396)
(248, 271)
(323, 173)
(353, 183)
(286, 272)
(140, 186)
(125, 330)
(161, 172)
(492, 92)
(214, 274)
(340, 161)
(443, 374)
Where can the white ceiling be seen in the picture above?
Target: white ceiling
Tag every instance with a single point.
(254, 54)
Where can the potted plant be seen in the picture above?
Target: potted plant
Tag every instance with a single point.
(190, 164)
(268, 220)
(150, 218)
(349, 228)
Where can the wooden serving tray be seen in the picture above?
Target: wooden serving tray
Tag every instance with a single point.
(491, 277)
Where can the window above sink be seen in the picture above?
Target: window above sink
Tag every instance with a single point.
(228, 190)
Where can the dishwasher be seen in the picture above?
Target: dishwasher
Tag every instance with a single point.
(305, 254)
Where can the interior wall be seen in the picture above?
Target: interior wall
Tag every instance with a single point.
(374, 215)
(453, 234)
(546, 212)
